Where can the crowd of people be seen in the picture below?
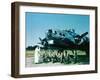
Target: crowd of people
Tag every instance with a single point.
(54, 56)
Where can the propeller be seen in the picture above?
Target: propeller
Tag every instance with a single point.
(40, 39)
(79, 37)
(84, 34)
(43, 41)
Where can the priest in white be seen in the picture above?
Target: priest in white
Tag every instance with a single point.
(37, 54)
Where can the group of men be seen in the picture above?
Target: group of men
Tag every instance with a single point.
(54, 56)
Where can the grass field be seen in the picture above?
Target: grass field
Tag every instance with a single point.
(81, 58)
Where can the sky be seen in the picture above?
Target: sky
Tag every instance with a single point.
(37, 24)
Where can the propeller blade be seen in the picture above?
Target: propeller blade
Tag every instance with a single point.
(39, 43)
(84, 34)
(40, 39)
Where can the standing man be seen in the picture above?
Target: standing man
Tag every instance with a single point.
(37, 55)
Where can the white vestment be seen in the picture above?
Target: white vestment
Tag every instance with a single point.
(36, 55)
